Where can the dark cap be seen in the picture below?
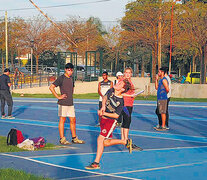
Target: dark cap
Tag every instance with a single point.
(105, 72)
(164, 69)
(69, 66)
(7, 70)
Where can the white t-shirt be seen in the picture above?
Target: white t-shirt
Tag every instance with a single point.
(105, 86)
(169, 83)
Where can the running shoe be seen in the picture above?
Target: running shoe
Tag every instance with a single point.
(63, 141)
(118, 124)
(164, 128)
(129, 145)
(158, 126)
(3, 117)
(93, 165)
(77, 141)
(10, 117)
(136, 148)
(161, 129)
(167, 127)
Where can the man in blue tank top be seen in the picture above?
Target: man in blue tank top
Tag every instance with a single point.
(162, 88)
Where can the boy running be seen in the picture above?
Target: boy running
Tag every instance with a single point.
(65, 104)
(112, 105)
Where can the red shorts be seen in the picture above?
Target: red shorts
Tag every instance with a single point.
(107, 127)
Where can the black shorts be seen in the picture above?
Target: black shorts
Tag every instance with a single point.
(127, 114)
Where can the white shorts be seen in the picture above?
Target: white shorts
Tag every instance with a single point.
(66, 111)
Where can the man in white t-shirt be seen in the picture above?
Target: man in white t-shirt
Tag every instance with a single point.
(103, 87)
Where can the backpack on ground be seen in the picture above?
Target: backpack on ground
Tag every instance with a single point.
(14, 137)
(39, 142)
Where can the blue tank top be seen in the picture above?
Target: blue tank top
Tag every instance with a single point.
(161, 91)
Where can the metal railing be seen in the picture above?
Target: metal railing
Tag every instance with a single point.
(34, 80)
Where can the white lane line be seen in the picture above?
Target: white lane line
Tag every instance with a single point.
(172, 105)
(84, 177)
(164, 167)
(135, 104)
(64, 167)
(124, 151)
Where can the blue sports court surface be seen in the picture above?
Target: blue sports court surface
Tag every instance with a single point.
(179, 153)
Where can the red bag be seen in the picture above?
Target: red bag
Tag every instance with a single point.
(20, 137)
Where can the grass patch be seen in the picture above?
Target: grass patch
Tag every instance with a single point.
(4, 148)
(33, 95)
(6, 174)
(96, 96)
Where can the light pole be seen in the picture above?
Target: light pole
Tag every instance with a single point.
(6, 40)
(31, 45)
(171, 33)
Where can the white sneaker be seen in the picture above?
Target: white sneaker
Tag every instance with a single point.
(10, 117)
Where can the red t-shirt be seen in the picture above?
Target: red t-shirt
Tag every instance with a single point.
(128, 101)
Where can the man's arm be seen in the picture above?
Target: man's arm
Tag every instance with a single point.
(52, 89)
(9, 82)
(99, 89)
(111, 84)
(156, 82)
(165, 83)
(112, 115)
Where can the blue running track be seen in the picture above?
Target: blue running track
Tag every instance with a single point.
(179, 153)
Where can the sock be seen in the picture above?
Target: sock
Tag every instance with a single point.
(73, 137)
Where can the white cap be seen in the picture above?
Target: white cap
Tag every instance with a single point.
(119, 74)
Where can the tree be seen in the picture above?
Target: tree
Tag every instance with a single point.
(85, 34)
(193, 23)
(141, 25)
(42, 34)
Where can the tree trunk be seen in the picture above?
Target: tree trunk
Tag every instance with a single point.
(205, 62)
(194, 64)
(203, 66)
(116, 60)
(12, 60)
(154, 62)
(37, 64)
(142, 68)
(137, 68)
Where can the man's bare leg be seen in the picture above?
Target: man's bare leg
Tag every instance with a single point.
(163, 119)
(111, 142)
(100, 148)
(102, 142)
(61, 126)
(73, 126)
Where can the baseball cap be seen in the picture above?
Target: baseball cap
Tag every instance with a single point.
(119, 74)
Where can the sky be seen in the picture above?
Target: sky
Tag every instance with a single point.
(108, 11)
